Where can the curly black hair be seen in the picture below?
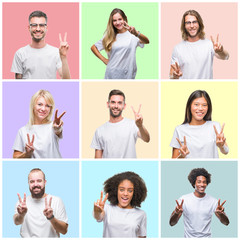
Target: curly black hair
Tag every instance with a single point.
(198, 172)
(139, 193)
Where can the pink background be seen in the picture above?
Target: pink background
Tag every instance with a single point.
(217, 18)
(62, 17)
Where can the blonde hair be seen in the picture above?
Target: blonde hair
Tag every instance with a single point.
(201, 32)
(111, 31)
(49, 99)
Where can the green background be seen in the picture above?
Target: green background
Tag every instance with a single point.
(143, 16)
(223, 186)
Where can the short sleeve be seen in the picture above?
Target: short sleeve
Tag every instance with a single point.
(60, 212)
(99, 45)
(174, 143)
(143, 226)
(17, 66)
(59, 61)
(95, 142)
(141, 45)
(19, 144)
(174, 58)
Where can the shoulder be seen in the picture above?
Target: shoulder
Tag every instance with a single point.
(187, 196)
(23, 51)
(182, 126)
(140, 212)
(102, 127)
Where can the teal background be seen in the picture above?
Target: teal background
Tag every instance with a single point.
(94, 174)
(223, 186)
(62, 181)
(143, 16)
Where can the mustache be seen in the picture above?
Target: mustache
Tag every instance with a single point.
(37, 187)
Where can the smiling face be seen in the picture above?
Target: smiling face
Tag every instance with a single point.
(199, 109)
(116, 105)
(36, 183)
(192, 28)
(200, 186)
(41, 110)
(37, 28)
(125, 194)
(118, 22)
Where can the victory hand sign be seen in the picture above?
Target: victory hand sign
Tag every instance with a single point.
(48, 211)
(99, 206)
(183, 150)
(22, 206)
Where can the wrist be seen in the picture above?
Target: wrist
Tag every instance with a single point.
(58, 130)
(50, 218)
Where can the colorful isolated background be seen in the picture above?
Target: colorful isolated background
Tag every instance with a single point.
(62, 17)
(95, 173)
(16, 101)
(95, 112)
(218, 18)
(62, 181)
(143, 16)
(224, 186)
(224, 98)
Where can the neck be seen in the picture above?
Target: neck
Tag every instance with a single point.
(123, 30)
(39, 44)
(199, 195)
(195, 122)
(115, 119)
(193, 39)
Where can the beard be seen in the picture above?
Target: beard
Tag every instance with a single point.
(192, 36)
(115, 115)
(37, 195)
(38, 39)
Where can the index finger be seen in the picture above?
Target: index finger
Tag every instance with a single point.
(215, 129)
(182, 203)
(24, 198)
(32, 138)
(223, 203)
(139, 108)
(179, 142)
(56, 113)
(105, 199)
(133, 109)
(65, 37)
(28, 139)
(177, 203)
(50, 202)
(46, 202)
(60, 37)
(126, 23)
(222, 127)
(177, 65)
(212, 40)
(19, 197)
(185, 141)
(217, 37)
(62, 115)
(101, 196)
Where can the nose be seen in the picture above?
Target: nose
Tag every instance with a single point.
(125, 192)
(38, 27)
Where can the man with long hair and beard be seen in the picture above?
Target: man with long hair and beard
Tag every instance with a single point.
(41, 214)
(193, 57)
(39, 60)
(117, 137)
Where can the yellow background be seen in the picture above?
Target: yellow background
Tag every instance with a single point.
(95, 112)
(174, 96)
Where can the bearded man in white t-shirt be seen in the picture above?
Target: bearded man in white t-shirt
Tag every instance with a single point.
(41, 214)
(39, 60)
(198, 207)
(193, 57)
(117, 137)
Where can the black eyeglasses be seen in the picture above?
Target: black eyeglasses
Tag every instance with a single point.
(193, 22)
(35, 25)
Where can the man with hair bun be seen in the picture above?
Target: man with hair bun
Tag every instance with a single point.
(193, 57)
(198, 207)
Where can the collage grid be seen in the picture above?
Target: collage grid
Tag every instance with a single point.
(78, 178)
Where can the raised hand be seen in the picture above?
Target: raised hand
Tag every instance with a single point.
(176, 70)
(57, 123)
(22, 206)
(218, 47)
(63, 49)
(48, 211)
(220, 139)
(220, 208)
(29, 148)
(131, 29)
(138, 116)
(183, 150)
(179, 208)
(99, 205)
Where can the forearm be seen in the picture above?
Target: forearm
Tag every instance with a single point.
(18, 219)
(224, 55)
(98, 215)
(143, 38)
(98, 153)
(223, 218)
(174, 218)
(18, 154)
(65, 68)
(144, 134)
(98, 54)
(59, 226)
(172, 75)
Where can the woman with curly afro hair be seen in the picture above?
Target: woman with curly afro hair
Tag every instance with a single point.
(122, 217)
(198, 207)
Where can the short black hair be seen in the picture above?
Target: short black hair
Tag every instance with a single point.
(116, 92)
(198, 172)
(139, 192)
(37, 14)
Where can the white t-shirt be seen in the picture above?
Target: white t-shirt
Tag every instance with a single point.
(35, 224)
(195, 59)
(122, 57)
(37, 63)
(124, 223)
(197, 215)
(117, 140)
(45, 141)
(201, 139)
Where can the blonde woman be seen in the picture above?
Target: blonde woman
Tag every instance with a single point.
(120, 42)
(39, 138)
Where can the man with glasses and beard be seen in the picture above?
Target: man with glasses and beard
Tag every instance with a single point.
(39, 60)
(41, 214)
(117, 137)
(193, 57)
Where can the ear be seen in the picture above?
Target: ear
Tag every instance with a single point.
(45, 182)
(29, 28)
(124, 105)
(107, 104)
